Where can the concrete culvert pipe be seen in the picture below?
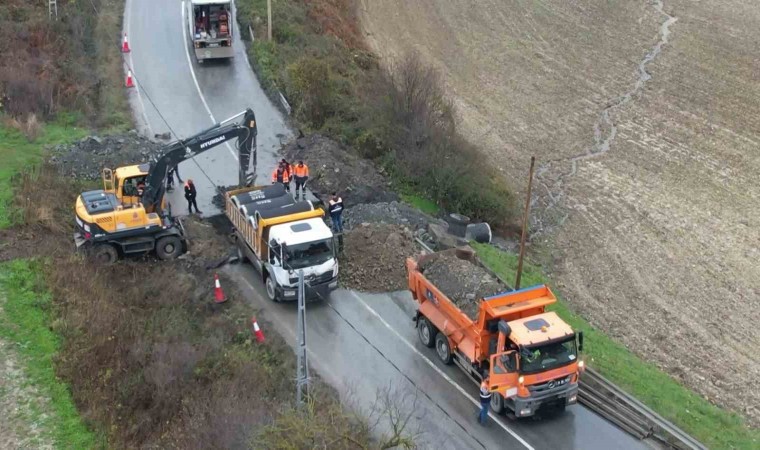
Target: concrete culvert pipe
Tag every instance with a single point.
(249, 208)
(457, 224)
(479, 232)
(273, 191)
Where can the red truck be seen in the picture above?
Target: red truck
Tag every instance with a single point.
(530, 355)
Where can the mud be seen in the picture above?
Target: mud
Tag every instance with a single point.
(374, 257)
(394, 213)
(463, 282)
(334, 168)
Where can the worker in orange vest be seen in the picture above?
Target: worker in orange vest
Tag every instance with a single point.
(281, 175)
(301, 173)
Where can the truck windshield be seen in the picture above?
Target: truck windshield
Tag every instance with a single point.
(548, 356)
(309, 253)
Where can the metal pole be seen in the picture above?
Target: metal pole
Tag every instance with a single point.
(302, 377)
(525, 225)
(269, 19)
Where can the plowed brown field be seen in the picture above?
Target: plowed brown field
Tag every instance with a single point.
(645, 118)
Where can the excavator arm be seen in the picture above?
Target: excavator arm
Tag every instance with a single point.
(179, 151)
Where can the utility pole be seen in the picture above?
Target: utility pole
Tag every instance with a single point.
(525, 225)
(53, 9)
(302, 376)
(269, 19)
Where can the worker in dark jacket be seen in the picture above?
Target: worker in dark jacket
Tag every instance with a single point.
(301, 174)
(485, 401)
(336, 212)
(190, 194)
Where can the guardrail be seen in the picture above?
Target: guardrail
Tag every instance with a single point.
(609, 401)
(612, 403)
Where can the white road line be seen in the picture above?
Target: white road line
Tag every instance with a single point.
(127, 29)
(195, 79)
(440, 372)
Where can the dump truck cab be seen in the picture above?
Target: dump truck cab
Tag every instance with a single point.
(537, 365)
(302, 245)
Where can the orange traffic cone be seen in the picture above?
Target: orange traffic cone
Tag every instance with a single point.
(218, 292)
(129, 83)
(257, 331)
(125, 45)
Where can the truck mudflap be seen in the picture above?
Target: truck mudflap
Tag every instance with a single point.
(562, 396)
(315, 292)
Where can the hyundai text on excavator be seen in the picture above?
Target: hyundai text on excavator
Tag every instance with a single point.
(119, 220)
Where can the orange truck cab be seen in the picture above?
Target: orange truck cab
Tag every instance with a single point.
(530, 356)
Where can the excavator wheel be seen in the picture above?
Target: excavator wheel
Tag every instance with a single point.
(426, 332)
(104, 254)
(169, 247)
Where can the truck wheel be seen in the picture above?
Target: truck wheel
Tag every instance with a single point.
(443, 348)
(271, 289)
(105, 254)
(497, 403)
(426, 332)
(168, 247)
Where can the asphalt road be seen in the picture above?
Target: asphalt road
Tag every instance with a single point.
(361, 344)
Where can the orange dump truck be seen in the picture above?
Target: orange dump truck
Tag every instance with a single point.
(530, 355)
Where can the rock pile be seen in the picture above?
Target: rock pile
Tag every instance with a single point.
(333, 167)
(86, 158)
(374, 257)
(463, 282)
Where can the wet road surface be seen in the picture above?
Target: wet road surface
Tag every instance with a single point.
(359, 343)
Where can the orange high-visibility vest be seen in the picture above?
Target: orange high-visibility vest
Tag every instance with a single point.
(280, 175)
(301, 171)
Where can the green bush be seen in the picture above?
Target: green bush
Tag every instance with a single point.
(311, 89)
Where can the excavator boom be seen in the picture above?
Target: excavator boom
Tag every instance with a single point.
(184, 149)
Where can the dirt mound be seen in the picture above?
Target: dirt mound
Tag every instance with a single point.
(463, 282)
(87, 157)
(374, 257)
(334, 168)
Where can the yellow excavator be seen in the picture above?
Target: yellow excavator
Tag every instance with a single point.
(130, 216)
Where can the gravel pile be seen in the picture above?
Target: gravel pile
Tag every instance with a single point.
(463, 282)
(333, 167)
(394, 213)
(374, 257)
(87, 157)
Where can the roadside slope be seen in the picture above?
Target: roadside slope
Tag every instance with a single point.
(670, 208)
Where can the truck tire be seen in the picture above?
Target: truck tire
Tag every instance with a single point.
(271, 289)
(442, 348)
(497, 403)
(168, 247)
(105, 254)
(426, 332)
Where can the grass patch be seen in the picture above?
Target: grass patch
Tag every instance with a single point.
(421, 203)
(26, 322)
(18, 153)
(713, 426)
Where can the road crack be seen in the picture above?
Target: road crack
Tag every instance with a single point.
(605, 131)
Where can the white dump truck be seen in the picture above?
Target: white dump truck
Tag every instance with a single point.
(211, 26)
(281, 237)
